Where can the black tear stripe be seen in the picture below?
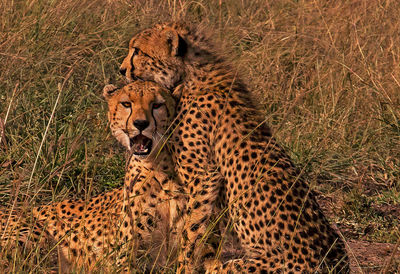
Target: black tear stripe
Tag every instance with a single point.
(155, 121)
(182, 46)
(167, 111)
(131, 61)
(127, 120)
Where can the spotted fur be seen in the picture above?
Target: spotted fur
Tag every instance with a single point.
(141, 217)
(224, 151)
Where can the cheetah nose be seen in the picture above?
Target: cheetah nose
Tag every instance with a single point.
(122, 71)
(141, 124)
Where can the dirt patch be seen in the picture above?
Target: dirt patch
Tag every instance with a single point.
(331, 204)
(368, 257)
(386, 210)
(365, 256)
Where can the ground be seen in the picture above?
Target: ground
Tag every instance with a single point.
(327, 75)
(367, 256)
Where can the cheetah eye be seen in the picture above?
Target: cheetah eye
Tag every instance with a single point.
(157, 105)
(137, 51)
(126, 104)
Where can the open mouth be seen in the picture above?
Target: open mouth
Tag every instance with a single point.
(141, 145)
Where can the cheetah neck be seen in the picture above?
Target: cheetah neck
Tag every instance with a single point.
(205, 69)
(208, 77)
(157, 165)
(206, 72)
(147, 172)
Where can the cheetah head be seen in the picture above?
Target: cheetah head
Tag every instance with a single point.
(156, 54)
(139, 114)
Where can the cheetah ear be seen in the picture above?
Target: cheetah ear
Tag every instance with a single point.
(108, 91)
(176, 43)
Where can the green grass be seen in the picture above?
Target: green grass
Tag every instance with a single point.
(327, 74)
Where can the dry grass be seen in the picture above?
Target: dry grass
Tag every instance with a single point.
(328, 74)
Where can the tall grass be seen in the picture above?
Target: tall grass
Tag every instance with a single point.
(327, 74)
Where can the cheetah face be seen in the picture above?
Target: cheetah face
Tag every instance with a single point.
(157, 55)
(139, 115)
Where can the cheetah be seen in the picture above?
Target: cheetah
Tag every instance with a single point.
(223, 151)
(142, 215)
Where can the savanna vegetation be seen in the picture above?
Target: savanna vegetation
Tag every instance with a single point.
(327, 74)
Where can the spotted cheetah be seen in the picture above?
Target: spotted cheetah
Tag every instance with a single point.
(141, 215)
(223, 151)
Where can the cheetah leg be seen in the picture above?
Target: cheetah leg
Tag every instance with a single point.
(198, 227)
(238, 266)
(27, 232)
(263, 266)
(256, 265)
